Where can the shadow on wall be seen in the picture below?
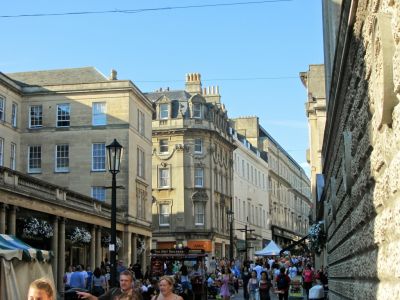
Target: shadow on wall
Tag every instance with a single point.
(362, 164)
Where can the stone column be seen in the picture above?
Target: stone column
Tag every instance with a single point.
(12, 220)
(144, 261)
(61, 256)
(146, 254)
(134, 248)
(223, 254)
(126, 247)
(98, 246)
(93, 248)
(54, 248)
(3, 218)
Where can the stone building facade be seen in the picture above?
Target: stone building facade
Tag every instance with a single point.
(55, 126)
(192, 169)
(314, 82)
(250, 198)
(288, 185)
(361, 152)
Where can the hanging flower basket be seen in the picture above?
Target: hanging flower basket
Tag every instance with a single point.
(80, 236)
(317, 237)
(105, 241)
(34, 228)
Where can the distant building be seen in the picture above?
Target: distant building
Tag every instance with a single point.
(250, 197)
(314, 82)
(55, 126)
(192, 169)
(361, 153)
(288, 185)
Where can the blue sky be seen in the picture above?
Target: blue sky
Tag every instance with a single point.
(231, 46)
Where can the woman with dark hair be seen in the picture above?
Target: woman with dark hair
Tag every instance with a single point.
(246, 275)
(99, 283)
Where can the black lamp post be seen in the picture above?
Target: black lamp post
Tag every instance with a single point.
(114, 151)
(230, 220)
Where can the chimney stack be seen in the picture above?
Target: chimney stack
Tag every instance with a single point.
(113, 75)
(193, 83)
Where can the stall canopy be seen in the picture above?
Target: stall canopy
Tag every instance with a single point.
(20, 264)
(271, 249)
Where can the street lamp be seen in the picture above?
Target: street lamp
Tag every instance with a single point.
(230, 220)
(114, 151)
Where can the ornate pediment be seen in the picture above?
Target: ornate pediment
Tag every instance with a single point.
(200, 195)
(163, 99)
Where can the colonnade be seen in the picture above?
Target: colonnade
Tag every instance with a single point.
(128, 253)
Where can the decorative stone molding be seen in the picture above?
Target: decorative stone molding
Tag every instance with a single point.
(382, 50)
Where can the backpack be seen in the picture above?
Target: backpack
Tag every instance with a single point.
(282, 283)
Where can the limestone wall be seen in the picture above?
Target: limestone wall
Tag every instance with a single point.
(362, 155)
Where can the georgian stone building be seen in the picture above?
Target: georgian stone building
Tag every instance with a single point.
(192, 168)
(314, 82)
(250, 197)
(54, 126)
(361, 152)
(288, 185)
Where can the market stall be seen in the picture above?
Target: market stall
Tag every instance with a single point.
(20, 264)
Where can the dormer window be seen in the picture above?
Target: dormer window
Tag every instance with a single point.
(164, 109)
(197, 111)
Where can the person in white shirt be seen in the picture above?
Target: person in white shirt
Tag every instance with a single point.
(316, 292)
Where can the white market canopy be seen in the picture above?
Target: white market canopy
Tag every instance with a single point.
(271, 249)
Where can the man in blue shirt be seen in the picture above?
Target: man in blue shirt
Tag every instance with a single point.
(78, 279)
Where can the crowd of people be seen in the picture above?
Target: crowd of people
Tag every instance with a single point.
(218, 278)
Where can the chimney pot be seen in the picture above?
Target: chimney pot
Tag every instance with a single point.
(113, 75)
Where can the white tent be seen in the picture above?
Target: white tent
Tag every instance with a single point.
(271, 249)
(20, 264)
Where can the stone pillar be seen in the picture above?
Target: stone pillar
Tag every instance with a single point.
(12, 220)
(93, 248)
(54, 248)
(61, 256)
(223, 254)
(134, 248)
(98, 246)
(3, 218)
(126, 247)
(144, 261)
(146, 253)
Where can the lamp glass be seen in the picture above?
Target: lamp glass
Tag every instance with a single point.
(114, 151)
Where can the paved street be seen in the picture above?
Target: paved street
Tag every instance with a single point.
(239, 296)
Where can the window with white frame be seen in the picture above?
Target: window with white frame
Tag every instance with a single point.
(13, 156)
(1, 151)
(140, 163)
(163, 146)
(2, 108)
(198, 177)
(34, 159)
(99, 157)
(197, 110)
(141, 120)
(62, 158)
(99, 116)
(164, 111)
(163, 181)
(14, 112)
(63, 115)
(35, 116)
(165, 213)
(198, 145)
(199, 213)
(99, 193)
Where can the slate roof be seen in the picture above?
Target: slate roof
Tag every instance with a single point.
(172, 95)
(179, 101)
(55, 77)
